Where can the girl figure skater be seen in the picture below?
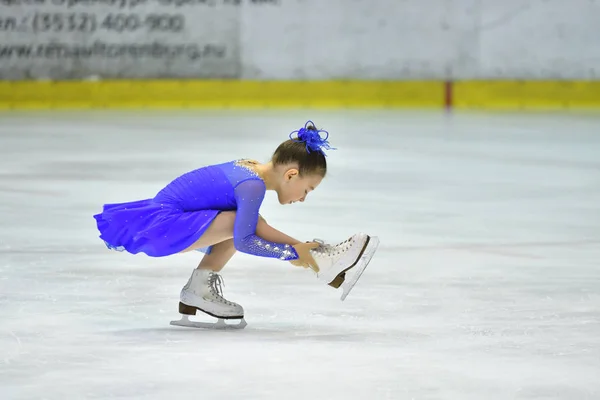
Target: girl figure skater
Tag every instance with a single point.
(215, 210)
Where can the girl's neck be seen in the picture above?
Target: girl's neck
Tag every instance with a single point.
(268, 175)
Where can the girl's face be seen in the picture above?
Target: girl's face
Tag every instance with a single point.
(294, 187)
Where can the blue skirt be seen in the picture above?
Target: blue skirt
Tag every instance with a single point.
(150, 227)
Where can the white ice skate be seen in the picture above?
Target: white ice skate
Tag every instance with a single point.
(343, 264)
(203, 292)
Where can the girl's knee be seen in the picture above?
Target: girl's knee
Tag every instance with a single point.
(261, 220)
(228, 244)
(225, 222)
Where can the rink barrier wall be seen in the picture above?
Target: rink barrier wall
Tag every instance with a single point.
(161, 94)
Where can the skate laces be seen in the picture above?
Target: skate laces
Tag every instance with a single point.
(216, 283)
(323, 247)
(332, 250)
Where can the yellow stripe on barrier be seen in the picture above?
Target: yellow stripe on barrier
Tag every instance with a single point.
(124, 94)
(218, 94)
(526, 95)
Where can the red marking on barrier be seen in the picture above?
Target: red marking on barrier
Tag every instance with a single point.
(448, 95)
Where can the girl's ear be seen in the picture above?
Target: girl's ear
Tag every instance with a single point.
(290, 173)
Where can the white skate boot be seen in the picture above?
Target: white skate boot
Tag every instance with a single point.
(349, 257)
(203, 292)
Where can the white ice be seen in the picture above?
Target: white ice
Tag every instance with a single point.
(486, 284)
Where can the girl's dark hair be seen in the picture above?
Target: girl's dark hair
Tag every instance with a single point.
(294, 151)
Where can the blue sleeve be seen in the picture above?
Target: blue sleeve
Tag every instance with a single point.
(249, 196)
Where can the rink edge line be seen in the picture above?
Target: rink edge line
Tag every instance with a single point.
(526, 95)
(178, 94)
(218, 94)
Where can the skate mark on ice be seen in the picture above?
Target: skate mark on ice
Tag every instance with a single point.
(498, 248)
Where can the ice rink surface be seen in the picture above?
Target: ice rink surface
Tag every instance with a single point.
(486, 284)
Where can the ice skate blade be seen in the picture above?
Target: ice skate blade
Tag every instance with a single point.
(360, 267)
(220, 324)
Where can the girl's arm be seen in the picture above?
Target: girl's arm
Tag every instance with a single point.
(271, 234)
(246, 238)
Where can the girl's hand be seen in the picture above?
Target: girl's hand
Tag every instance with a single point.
(305, 259)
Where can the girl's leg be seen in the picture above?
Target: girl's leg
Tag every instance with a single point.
(221, 229)
(220, 255)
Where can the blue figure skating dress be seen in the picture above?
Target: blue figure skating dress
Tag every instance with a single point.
(182, 211)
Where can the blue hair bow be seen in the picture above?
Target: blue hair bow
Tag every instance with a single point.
(312, 138)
